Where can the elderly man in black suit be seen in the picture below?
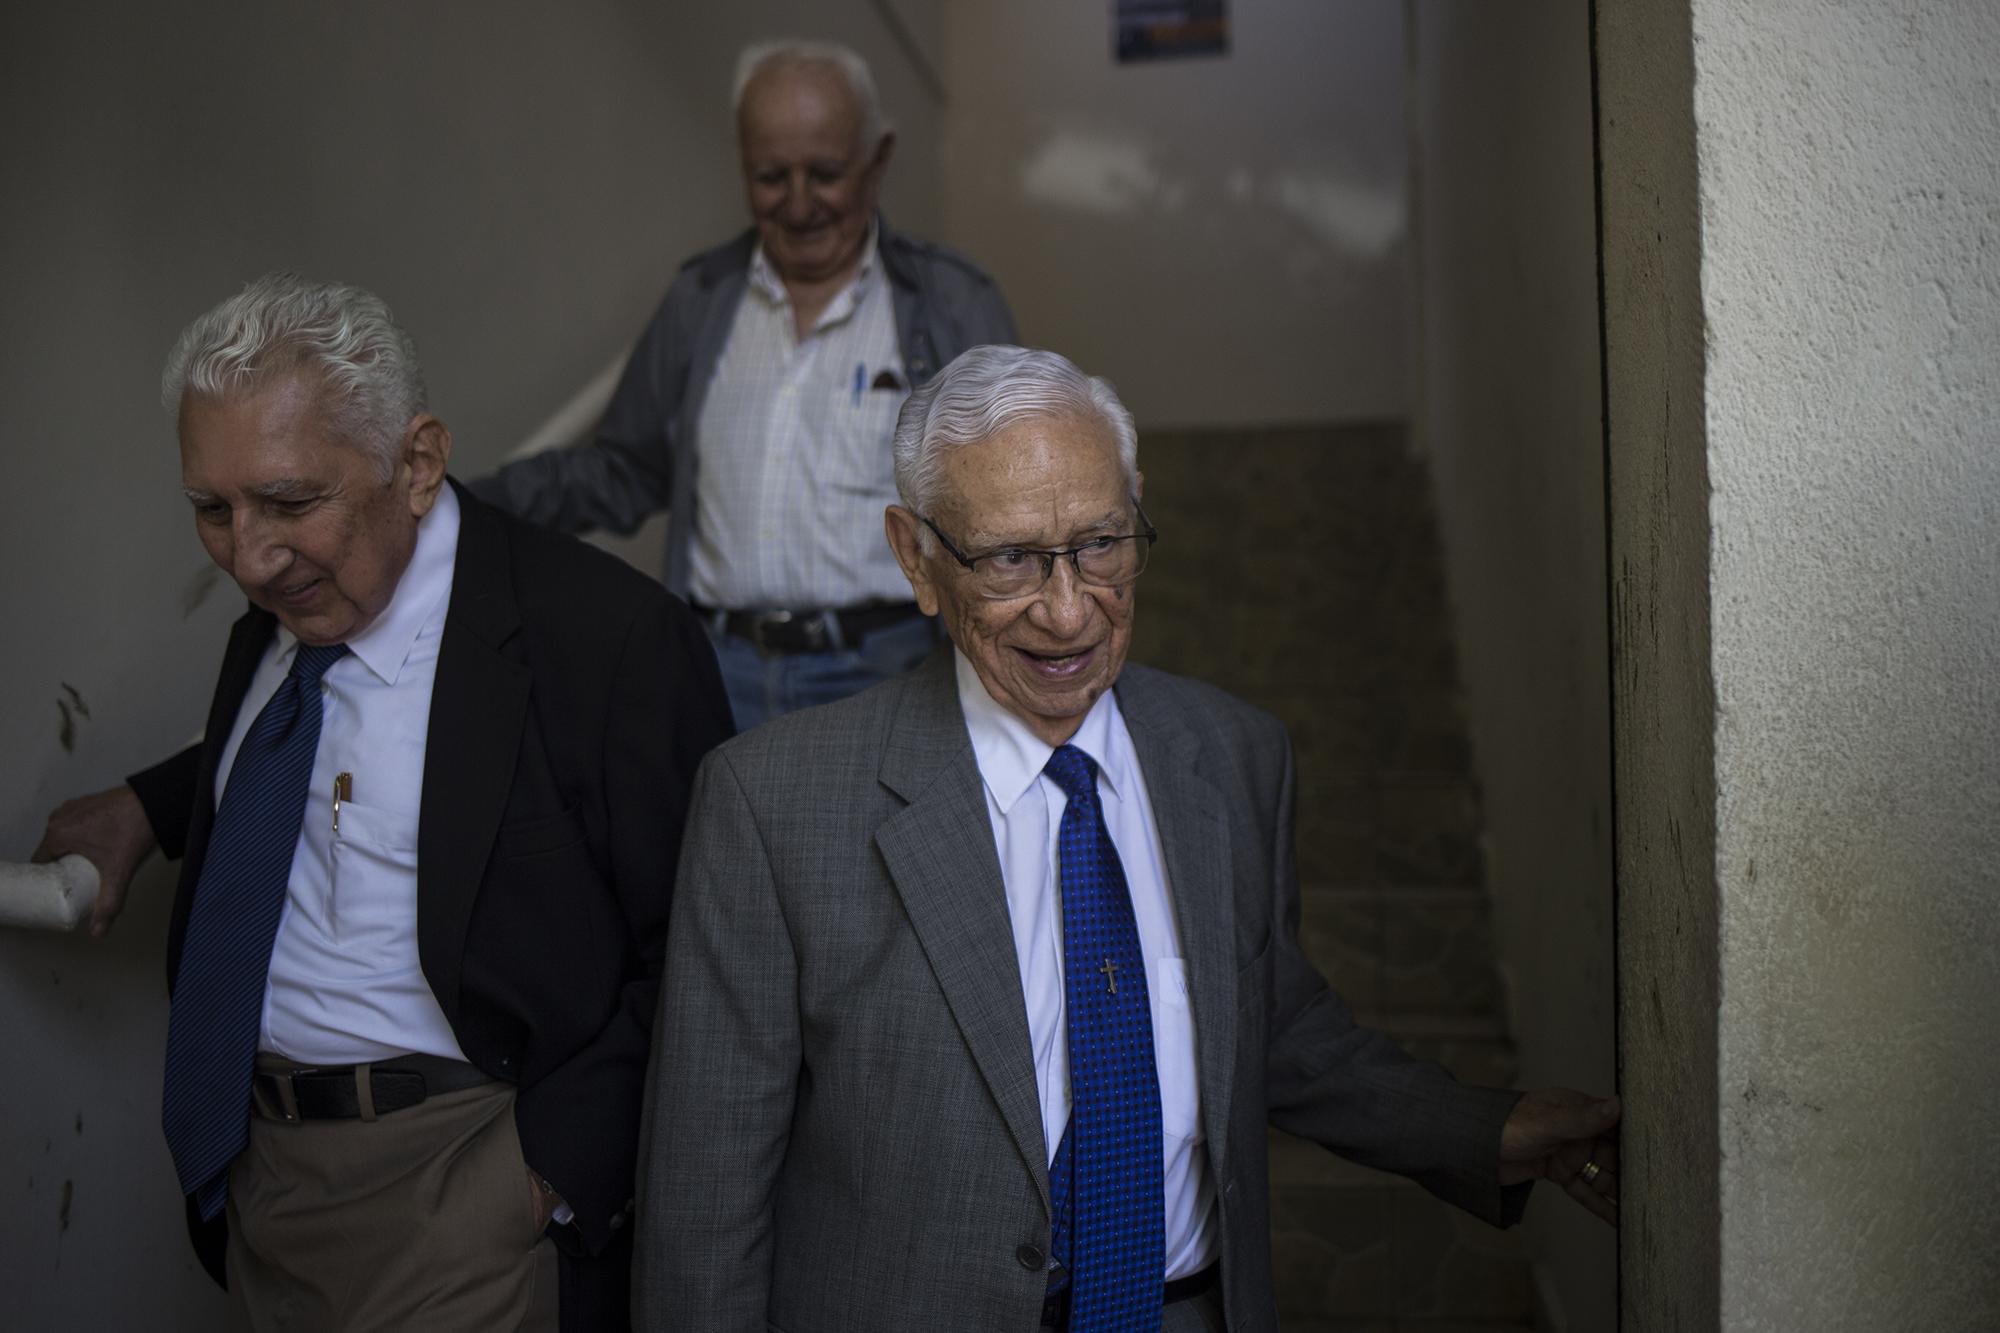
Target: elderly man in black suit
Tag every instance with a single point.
(428, 847)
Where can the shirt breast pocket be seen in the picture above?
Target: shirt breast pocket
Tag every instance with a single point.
(854, 453)
(1173, 1049)
(373, 903)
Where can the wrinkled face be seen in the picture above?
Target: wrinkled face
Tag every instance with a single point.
(812, 182)
(301, 520)
(1050, 484)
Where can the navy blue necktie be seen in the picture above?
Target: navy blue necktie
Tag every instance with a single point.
(218, 1006)
(1106, 1183)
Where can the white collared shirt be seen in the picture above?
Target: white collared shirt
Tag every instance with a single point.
(1026, 808)
(793, 467)
(345, 983)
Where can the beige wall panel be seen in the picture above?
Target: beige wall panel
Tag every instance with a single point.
(1224, 237)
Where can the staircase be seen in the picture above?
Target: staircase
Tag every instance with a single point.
(1299, 568)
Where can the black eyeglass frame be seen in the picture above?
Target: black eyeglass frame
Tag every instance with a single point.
(1148, 534)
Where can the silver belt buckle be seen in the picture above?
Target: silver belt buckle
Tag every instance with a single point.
(281, 1087)
(763, 621)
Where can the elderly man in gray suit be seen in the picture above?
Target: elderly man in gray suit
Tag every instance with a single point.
(983, 985)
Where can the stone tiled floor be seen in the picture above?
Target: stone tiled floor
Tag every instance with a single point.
(1299, 568)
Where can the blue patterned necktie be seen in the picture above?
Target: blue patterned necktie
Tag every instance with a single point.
(218, 1005)
(1110, 1213)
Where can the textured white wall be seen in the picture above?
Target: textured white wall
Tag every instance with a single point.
(1505, 250)
(1850, 198)
(520, 181)
(1223, 237)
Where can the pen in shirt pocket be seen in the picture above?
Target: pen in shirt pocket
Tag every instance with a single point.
(860, 379)
(343, 790)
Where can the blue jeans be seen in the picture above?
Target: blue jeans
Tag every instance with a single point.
(760, 688)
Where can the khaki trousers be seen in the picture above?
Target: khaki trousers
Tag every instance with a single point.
(421, 1218)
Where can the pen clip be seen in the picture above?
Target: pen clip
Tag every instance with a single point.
(343, 790)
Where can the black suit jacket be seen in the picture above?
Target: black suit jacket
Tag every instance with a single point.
(574, 699)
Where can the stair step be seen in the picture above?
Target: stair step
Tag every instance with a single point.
(1415, 891)
(1401, 1325)
(1403, 828)
(1435, 1029)
(1296, 1161)
(1353, 1244)
(1387, 736)
(1394, 951)
(1428, 833)
(1268, 648)
(1476, 1052)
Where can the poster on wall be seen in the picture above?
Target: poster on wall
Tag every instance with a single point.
(1168, 29)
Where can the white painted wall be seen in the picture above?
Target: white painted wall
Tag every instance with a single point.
(1224, 238)
(520, 182)
(1505, 252)
(1802, 279)
(1850, 203)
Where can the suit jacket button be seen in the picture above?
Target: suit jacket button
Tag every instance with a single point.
(1030, 1257)
(617, 1220)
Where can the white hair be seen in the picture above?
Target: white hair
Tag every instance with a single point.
(984, 391)
(852, 69)
(369, 382)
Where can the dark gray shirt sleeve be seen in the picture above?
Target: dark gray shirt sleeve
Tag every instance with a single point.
(624, 472)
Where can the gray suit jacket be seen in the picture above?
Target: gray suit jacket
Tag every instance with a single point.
(842, 1129)
(641, 458)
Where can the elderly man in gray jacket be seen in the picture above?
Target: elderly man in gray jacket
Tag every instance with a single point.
(759, 404)
(983, 985)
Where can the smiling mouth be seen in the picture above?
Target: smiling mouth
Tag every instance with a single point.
(296, 593)
(1058, 666)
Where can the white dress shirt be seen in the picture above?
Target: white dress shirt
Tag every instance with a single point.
(345, 984)
(793, 468)
(1026, 808)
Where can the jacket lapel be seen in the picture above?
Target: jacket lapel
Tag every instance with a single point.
(940, 854)
(248, 638)
(1194, 837)
(479, 703)
(914, 335)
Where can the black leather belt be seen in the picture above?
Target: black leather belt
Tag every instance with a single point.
(336, 1092)
(1055, 1309)
(778, 632)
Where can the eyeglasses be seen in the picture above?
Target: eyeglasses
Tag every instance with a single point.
(1020, 571)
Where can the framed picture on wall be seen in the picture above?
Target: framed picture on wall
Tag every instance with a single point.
(1167, 29)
